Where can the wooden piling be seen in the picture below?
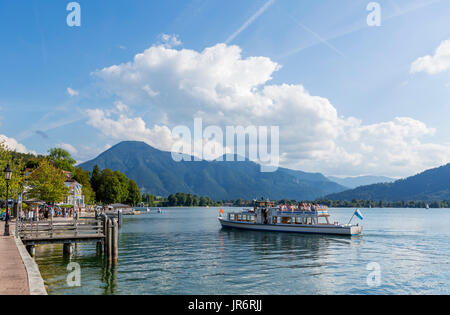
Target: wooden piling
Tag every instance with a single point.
(115, 241)
(105, 233)
(99, 248)
(31, 250)
(119, 218)
(67, 249)
(109, 240)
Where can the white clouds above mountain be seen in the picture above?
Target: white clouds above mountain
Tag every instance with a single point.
(123, 128)
(437, 63)
(225, 89)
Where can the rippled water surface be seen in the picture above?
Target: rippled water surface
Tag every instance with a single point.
(184, 251)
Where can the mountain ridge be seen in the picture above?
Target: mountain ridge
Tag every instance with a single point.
(430, 185)
(156, 172)
(356, 181)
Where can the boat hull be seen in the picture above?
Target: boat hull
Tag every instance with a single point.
(289, 228)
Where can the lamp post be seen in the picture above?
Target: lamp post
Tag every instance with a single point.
(8, 174)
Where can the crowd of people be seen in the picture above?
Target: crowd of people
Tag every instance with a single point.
(44, 212)
(306, 207)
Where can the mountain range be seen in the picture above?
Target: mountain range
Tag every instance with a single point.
(353, 182)
(431, 185)
(157, 173)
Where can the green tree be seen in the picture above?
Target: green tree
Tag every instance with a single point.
(62, 159)
(83, 177)
(134, 195)
(172, 201)
(109, 187)
(124, 187)
(203, 202)
(189, 200)
(47, 183)
(95, 178)
(195, 201)
(17, 166)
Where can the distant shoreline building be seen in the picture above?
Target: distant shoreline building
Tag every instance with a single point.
(75, 196)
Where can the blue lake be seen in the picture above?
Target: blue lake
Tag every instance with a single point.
(185, 251)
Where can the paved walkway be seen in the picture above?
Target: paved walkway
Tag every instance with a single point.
(13, 275)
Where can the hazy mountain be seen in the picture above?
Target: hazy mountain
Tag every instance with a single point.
(156, 172)
(353, 182)
(431, 185)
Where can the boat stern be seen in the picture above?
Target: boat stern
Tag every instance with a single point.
(356, 230)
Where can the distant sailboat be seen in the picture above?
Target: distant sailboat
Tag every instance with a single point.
(427, 206)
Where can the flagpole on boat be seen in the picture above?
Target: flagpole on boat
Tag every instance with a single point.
(351, 218)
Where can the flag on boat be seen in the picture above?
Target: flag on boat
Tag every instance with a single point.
(359, 214)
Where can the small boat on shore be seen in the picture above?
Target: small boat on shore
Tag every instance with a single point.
(265, 216)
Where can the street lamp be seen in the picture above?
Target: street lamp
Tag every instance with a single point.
(8, 175)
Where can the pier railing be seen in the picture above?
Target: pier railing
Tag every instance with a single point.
(56, 228)
(102, 229)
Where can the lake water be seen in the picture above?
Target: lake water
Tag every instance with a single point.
(185, 251)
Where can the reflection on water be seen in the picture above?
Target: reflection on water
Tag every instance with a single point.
(184, 251)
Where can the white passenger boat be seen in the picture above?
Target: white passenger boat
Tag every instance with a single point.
(313, 219)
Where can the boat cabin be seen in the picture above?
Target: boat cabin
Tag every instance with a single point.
(266, 213)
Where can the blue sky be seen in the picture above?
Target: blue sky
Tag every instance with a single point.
(323, 49)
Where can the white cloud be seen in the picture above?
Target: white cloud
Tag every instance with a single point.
(69, 148)
(72, 92)
(122, 107)
(438, 63)
(14, 145)
(225, 89)
(149, 90)
(87, 152)
(170, 41)
(126, 128)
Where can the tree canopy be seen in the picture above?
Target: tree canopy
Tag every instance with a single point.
(114, 187)
(62, 159)
(17, 165)
(83, 177)
(47, 183)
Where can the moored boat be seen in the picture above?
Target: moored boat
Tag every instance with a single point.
(265, 216)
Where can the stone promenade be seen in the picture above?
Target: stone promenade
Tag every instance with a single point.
(14, 278)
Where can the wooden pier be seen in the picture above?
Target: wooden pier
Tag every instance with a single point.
(103, 230)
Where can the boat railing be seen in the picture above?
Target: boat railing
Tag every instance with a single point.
(320, 212)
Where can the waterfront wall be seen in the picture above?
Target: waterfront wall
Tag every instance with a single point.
(35, 281)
